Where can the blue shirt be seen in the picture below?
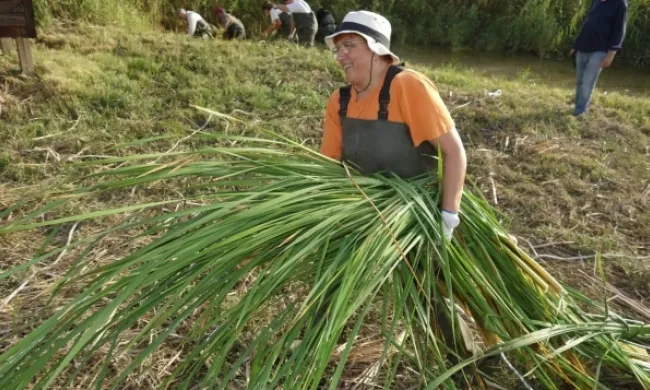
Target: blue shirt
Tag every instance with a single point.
(604, 27)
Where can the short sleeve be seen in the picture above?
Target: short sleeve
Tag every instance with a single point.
(422, 107)
(332, 142)
(192, 21)
(274, 15)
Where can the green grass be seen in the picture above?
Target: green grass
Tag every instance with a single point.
(557, 178)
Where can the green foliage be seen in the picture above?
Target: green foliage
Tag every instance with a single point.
(5, 160)
(321, 247)
(636, 48)
(125, 12)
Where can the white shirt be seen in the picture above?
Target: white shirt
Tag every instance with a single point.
(299, 6)
(275, 14)
(192, 19)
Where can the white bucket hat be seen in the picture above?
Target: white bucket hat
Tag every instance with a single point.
(373, 27)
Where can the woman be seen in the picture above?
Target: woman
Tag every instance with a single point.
(282, 22)
(233, 27)
(303, 18)
(390, 119)
(196, 25)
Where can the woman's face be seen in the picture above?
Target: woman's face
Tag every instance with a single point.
(354, 56)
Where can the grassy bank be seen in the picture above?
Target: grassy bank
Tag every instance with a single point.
(543, 27)
(570, 187)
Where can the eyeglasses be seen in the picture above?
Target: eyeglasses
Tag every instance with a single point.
(346, 46)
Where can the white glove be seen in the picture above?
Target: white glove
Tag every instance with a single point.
(450, 221)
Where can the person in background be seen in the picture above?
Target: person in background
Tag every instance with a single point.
(326, 24)
(600, 38)
(196, 25)
(304, 19)
(281, 22)
(233, 27)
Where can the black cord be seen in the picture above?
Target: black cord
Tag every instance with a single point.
(372, 62)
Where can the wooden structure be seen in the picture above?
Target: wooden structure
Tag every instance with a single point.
(17, 21)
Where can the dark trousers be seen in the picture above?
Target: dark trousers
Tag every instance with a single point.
(235, 31)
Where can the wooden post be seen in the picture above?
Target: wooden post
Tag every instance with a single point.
(25, 56)
(5, 45)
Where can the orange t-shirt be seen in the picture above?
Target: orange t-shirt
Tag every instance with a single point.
(414, 100)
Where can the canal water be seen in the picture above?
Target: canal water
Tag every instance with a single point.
(620, 77)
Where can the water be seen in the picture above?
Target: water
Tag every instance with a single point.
(619, 77)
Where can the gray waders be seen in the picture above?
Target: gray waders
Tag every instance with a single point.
(285, 27)
(382, 146)
(235, 30)
(205, 30)
(306, 27)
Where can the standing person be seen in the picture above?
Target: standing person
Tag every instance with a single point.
(304, 19)
(600, 38)
(196, 25)
(326, 24)
(233, 27)
(282, 22)
(392, 120)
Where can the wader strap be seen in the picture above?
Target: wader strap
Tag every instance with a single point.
(384, 94)
(344, 99)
